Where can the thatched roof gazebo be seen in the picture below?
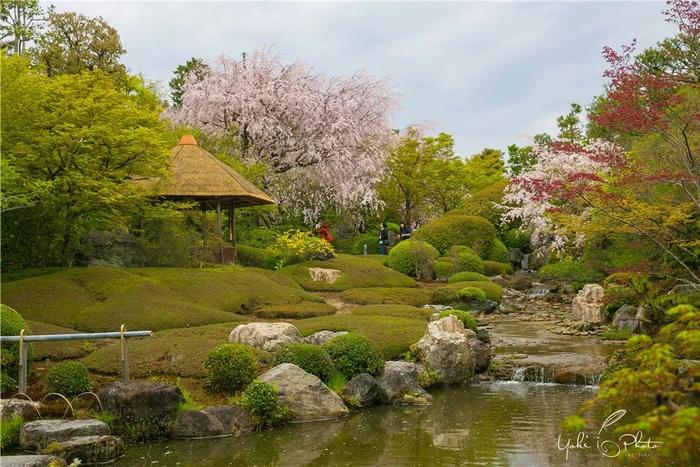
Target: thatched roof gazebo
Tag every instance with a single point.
(198, 176)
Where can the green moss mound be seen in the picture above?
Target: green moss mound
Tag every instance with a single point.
(447, 231)
(257, 257)
(100, 299)
(467, 276)
(402, 311)
(443, 269)
(470, 262)
(353, 354)
(449, 294)
(230, 367)
(465, 317)
(579, 274)
(357, 271)
(387, 295)
(69, 379)
(295, 310)
(472, 294)
(310, 358)
(494, 268)
(413, 258)
(498, 252)
(393, 335)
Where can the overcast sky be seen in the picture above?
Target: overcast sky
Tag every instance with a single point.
(491, 74)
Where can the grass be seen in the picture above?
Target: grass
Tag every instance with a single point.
(60, 350)
(178, 352)
(387, 295)
(357, 271)
(393, 335)
(612, 334)
(401, 311)
(100, 299)
(295, 310)
(9, 432)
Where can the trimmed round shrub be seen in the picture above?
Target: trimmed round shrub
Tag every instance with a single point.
(449, 294)
(413, 258)
(443, 269)
(465, 317)
(11, 324)
(257, 257)
(447, 231)
(470, 262)
(7, 383)
(69, 379)
(516, 238)
(467, 276)
(498, 252)
(230, 367)
(261, 399)
(472, 294)
(353, 354)
(457, 249)
(575, 272)
(494, 268)
(310, 358)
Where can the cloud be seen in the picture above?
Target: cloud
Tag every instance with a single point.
(488, 73)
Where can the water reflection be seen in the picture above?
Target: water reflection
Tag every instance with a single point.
(495, 424)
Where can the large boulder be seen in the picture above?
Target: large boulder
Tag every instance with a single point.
(321, 337)
(28, 410)
(265, 336)
(482, 355)
(625, 319)
(304, 394)
(361, 391)
(37, 435)
(588, 304)
(328, 276)
(89, 449)
(399, 384)
(225, 420)
(36, 460)
(446, 348)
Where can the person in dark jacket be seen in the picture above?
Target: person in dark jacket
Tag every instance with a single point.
(383, 239)
(404, 232)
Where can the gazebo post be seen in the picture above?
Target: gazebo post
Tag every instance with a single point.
(218, 231)
(232, 229)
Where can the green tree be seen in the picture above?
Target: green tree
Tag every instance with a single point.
(520, 159)
(20, 22)
(570, 127)
(73, 42)
(82, 141)
(484, 169)
(196, 67)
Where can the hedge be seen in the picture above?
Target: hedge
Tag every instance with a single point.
(257, 257)
(447, 231)
(467, 276)
(494, 268)
(412, 257)
(498, 252)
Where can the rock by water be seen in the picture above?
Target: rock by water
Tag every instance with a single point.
(399, 384)
(225, 420)
(265, 336)
(361, 391)
(37, 435)
(89, 449)
(446, 348)
(588, 304)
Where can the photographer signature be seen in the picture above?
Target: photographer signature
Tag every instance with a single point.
(608, 448)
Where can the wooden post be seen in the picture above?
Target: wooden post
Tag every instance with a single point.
(232, 229)
(23, 361)
(218, 231)
(205, 227)
(125, 355)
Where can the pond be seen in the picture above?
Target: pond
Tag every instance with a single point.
(502, 423)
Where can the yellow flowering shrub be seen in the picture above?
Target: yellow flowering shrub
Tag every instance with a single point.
(296, 246)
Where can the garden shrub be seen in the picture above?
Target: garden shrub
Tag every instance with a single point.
(69, 379)
(295, 310)
(447, 231)
(494, 268)
(516, 238)
(257, 257)
(9, 432)
(11, 324)
(260, 237)
(443, 269)
(296, 246)
(402, 311)
(449, 294)
(230, 367)
(386, 295)
(486, 203)
(465, 317)
(261, 399)
(369, 239)
(353, 354)
(413, 258)
(310, 358)
(498, 252)
(472, 294)
(467, 276)
(617, 296)
(575, 272)
(457, 249)
(8, 383)
(470, 262)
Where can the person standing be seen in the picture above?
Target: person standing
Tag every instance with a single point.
(404, 232)
(383, 239)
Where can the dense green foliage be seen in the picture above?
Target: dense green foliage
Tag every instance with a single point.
(467, 276)
(353, 354)
(9, 432)
(11, 324)
(371, 240)
(402, 311)
(470, 262)
(257, 257)
(449, 294)
(310, 358)
(386, 295)
(261, 399)
(465, 317)
(443, 268)
(493, 268)
(498, 252)
(444, 232)
(472, 294)
(516, 238)
(230, 367)
(69, 379)
(413, 258)
(570, 271)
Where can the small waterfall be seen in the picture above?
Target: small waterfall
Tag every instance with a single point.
(535, 374)
(592, 380)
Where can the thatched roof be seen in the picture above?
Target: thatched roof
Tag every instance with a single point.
(197, 175)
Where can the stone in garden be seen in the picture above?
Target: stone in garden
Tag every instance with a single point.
(38, 460)
(38, 434)
(321, 337)
(304, 394)
(445, 348)
(482, 355)
(399, 384)
(538, 258)
(224, 420)
(438, 308)
(515, 256)
(624, 319)
(588, 304)
(328, 276)
(487, 306)
(88, 449)
(361, 391)
(141, 400)
(265, 336)
(28, 410)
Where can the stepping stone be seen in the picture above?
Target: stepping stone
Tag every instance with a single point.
(32, 461)
(89, 449)
(38, 434)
